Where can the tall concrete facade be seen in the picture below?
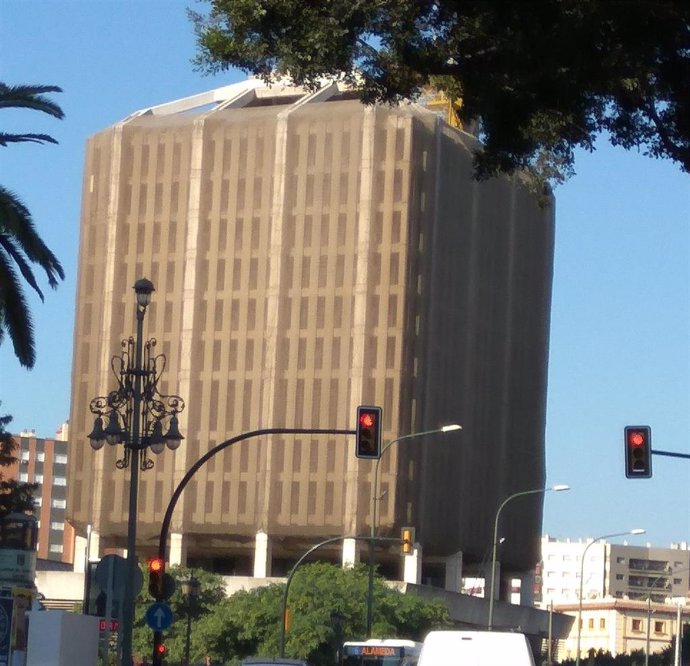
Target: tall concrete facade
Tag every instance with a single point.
(311, 254)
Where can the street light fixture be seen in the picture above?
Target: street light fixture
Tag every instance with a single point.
(190, 588)
(135, 414)
(635, 531)
(557, 488)
(374, 498)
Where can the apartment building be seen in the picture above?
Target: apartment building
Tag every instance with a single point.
(618, 571)
(44, 461)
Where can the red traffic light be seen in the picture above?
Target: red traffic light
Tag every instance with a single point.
(638, 452)
(367, 420)
(156, 564)
(160, 649)
(368, 443)
(636, 438)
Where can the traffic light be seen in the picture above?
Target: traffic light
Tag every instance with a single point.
(156, 566)
(638, 452)
(406, 540)
(159, 649)
(368, 432)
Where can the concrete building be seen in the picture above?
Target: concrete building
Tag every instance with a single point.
(611, 571)
(311, 254)
(621, 626)
(44, 461)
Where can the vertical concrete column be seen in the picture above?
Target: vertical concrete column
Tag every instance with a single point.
(93, 546)
(454, 572)
(350, 553)
(178, 549)
(412, 566)
(527, 589)
(262, 555)
(80, 554)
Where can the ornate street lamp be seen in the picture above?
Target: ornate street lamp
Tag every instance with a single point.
(536, 491)
(134, 415)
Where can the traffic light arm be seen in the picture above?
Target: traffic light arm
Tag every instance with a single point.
(673, 454)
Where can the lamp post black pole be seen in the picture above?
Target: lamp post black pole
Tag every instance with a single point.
(190, 589)
(134, 444)
(135, 412)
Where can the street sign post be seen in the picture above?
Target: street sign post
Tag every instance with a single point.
(159, 616)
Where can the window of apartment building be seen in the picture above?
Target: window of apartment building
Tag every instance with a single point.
(620, 576)
(40, 456)
(620, 560)
(60, 459)
(637, 625)
(590, 624)
(38, 501)
(23, 477)
(602, 623)
(25, 455)
(57, 526)
(59, 503)
(55, 548)
(677, 581)
(59, 481)
(659, 627)
(39, 478)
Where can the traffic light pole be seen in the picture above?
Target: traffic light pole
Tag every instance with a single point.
(283, 615)
(167, 518)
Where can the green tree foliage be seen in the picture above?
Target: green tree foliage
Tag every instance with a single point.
(635, 658)
(327, 606)
(539, 78)
(15, 497)
(20, 244)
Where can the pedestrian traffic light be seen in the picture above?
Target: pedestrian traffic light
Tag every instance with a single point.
(638, 452)
(159, 649)
(406, 540)
(156, 566)
(369, 425)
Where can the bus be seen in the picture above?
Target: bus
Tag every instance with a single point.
(381, 652)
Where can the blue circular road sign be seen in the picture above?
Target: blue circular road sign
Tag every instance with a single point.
(159, 616)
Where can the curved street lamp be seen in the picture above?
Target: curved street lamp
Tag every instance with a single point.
(135, 413)
(652, 586)
(374, 498)
(637, 530)
(536, 491)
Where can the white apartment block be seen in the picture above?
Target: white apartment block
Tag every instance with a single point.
(618, 571)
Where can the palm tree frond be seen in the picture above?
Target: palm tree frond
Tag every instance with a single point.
(15, 318)
(30, 97)
(16, 222)
(6, 139)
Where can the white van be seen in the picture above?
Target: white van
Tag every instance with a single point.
(475, 648)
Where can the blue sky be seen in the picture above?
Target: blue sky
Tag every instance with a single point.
(620, 332)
